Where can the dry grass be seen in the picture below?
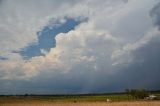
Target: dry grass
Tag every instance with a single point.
(138, 103)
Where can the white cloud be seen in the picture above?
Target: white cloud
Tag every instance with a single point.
(93, 45)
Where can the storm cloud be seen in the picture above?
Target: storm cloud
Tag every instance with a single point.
(117, 47)
(155, 14)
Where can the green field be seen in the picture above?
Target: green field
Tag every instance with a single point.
(70, 98)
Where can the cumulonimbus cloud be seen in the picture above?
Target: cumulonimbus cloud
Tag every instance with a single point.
(102, 46)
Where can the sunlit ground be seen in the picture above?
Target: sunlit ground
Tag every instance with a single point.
(137, 103)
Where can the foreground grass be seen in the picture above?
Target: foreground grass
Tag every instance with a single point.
(93, 98)
(78, 100)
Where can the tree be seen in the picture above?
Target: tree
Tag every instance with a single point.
(127, 92)
(137, 93)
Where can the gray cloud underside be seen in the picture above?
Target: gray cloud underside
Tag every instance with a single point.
(117, 48)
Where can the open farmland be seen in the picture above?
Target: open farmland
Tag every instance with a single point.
(78, 100)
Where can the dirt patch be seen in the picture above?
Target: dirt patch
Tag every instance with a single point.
(138, 103)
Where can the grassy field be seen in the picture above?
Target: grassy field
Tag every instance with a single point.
(79, 100)
(93, 98)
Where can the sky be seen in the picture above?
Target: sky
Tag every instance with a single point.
(79, 46)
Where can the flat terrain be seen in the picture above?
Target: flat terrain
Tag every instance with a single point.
(136, 103)
(77, 100)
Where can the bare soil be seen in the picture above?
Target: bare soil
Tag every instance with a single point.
(136, 103)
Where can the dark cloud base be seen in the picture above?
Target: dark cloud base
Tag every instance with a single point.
(143, 72)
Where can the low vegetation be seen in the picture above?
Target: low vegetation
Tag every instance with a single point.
(130, 96)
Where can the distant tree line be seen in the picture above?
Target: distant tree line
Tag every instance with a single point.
(137, 93)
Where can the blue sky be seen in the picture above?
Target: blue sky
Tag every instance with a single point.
(46, 38)
(69, 47)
